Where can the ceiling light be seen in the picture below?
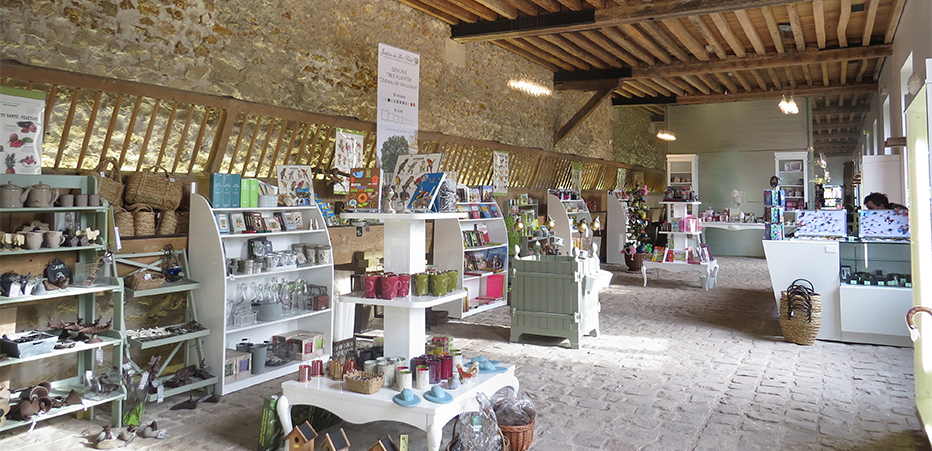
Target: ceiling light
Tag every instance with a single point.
(530, 87)
(666, 135)
(788, 107)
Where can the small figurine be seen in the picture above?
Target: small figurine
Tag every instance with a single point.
(388, 199)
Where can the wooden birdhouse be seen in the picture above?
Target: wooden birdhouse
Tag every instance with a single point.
(335, 442)
(385, 444)
(301, 438)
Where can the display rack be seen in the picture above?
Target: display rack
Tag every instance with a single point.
(486, 287)
(683, 241)
(793, 170)
(683, 171)
(566, 213)
(94, 218)
(616, 229)
(209, 251)
(405, 247)
(529, 239)
(143, 261)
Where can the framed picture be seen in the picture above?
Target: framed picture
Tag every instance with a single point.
(288, 221)
(223, 222)
(237, 222)
(273, 225)
(298, 220)
(296, 180)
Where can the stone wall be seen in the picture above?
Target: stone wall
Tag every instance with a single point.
(634, 141)
(315, 56)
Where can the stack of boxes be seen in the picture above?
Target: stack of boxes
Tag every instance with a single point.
(305, 345)
(774, 207)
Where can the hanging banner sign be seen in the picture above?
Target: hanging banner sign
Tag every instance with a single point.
(347, 155)
(399, 84)
(21, 115)
(499, 172)
(620, 178)
(576, 176)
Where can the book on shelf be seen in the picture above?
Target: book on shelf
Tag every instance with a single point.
(483, 232)
(365, 189)
(486, 212)
(426, 191)
(493, 209)
(657, 255)
(474, 211)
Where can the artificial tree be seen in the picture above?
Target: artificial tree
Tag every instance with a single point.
(638, 242)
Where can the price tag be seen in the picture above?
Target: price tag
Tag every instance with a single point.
(161, 393)
(99, 356)
(162, 434)
(476, 424)
(144, 381)
(130, 372)
(403, 442)
(127, 366)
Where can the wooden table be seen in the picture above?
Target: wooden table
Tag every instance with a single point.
(359, 408)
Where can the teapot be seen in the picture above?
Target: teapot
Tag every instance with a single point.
(39, 195)
(11, 196)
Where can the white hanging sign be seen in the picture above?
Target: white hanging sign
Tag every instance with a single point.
(399, 85)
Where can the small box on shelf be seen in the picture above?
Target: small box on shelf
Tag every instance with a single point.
(237, 365)
(308, 345)
(28, 344)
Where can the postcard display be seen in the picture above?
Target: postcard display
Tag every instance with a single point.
(865, 281)
(567, 213)
(225, 259)
(685, 250)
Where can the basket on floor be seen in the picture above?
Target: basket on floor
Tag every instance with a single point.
(519, 437)
(506, 446)
(800, 312)
(365, 383)
(144, 280)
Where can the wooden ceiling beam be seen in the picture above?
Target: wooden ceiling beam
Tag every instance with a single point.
(596, 3)
(743, 81)
(797, 26)
(686, 87)
(790, 78)
(711, 83)
(505, 9)
(762, 62)
(825, 80)
(773, 28)
(581, 115)
(680, 32)
(838, 126)
(623, 42)
(895, 14)
(566, 50)
(843, 17)
(698, 84)
(668, 85)
(807, 74)
(709, 37)
(869, 22)
(844, 72)
(476, 8)
(635, 33)
(572, 5)
(661, 90)
(549, 5)
(452, 9)
(646, 89)
(529, 56)
(609, 46)
(585, 40)
(751, 32)
(723, 78)
(538, 53)
(775, 78)
(591, 80)
(438, 13)
(760, 80)
(644, 101)
(655, 32)
(862, 68)
(841, 110)
(730, 38)
(594, 19)
(759, 95)
(818, 14)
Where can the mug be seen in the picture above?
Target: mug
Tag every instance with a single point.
(33, 239)
(422, 378)
(404, 380)
(66, 200)
(93, 200)
(54, 239)
(80, 200)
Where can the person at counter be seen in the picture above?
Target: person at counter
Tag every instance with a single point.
(879, 201)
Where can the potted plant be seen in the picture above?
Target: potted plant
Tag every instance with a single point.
(638, 243)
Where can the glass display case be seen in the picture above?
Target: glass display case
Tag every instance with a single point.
(878, 264)
(683, 172)
(875, 292)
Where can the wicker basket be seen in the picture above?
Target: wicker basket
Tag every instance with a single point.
(800, 313)
(520, 437)
(143, 219)
(159, 191)
(123, 220)
(109, 184)
(506, 444)
(144, 280)
(184, 218)
(365, 383)
(168, 221)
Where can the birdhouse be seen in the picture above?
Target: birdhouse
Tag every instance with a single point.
(385, 444)
(335, 442)
(301, 438)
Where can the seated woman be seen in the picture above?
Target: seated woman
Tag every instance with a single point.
(878, 201)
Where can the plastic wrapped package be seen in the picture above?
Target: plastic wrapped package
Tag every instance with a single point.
(514, 410)
(477, 430)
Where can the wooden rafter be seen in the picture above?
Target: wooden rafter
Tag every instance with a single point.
(843, 17)
(757, 95)
(797, 26)
(581, 115)
(652, 29)
(869, 21)
(642, 40)
(504, 8)
(773, 28)
(709, 37)
(818, 14)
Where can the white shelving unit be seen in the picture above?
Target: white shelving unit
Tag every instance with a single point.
(450, 253)
(405, 247)
(793, 170)
(682, 241)
(616, 229)
(566, 214)
(683, 170)
(83, 353)
(209, 250)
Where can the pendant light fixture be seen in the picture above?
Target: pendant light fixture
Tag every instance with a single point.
(788, 107)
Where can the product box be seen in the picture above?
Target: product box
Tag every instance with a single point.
(38, 343)
(237, 365)
(773, 232)
(322, 302)
(271, 434)
(284, 337)
(775, 197)
(308, 346)
(773, 215)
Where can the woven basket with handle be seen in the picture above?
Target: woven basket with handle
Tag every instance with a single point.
(144, 280)
(800, 312)
(168, 221)
(520, 437)
(143, 219)
(123, 219)
(109, 181)
(159, 191)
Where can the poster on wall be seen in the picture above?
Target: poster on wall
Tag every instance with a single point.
(576, 177)
(399, 84)
(347, 155)
(500, 172)
(620, 178)
(408, 172)
(21, 115)
(297, 180)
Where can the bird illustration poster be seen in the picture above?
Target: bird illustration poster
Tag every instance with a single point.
(821, 223)
(21, 115)
(296, 180)
(365, 189)
(500, 172)
(884, 224)
(347, 155)
(576, 177)
(408, 172)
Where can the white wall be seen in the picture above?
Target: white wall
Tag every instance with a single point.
(735, 143)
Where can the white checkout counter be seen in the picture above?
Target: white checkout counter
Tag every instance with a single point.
(850, 313)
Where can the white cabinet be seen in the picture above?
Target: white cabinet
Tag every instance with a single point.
(683, 171)
(616, 229)
(567, 213)
(680, 243)
(793, 170)
(209, 251)
(482, 265)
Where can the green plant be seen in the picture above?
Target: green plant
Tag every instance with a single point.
(638, 240)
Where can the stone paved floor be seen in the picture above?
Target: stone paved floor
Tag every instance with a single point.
(674, 368)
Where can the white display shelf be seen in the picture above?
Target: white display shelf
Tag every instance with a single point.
(565, 223)
(46, 250)
(484, 308)
(98, 209)
(485, 248)
(683, 166)
(269, 374)
(408, 302)
(733, 225)
(616, 229)
(227, 236)
(283, 319)
(708, 271)
(404, 216)
(193, 385)
(275, 272)
(267, 209)
(65, 410)
(70, 291)
(78, 347)
(790, 178)
(680, 233)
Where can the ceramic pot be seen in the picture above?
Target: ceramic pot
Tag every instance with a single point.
(33, 239)
(11, 196)
(54, 239)
(39, 195)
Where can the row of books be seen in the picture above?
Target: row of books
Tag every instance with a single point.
(254, 222)
(477, 237)
(480, 211)
(232, 191)
(694, 255)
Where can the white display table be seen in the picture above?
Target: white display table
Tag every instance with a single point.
(405, 251)
(708, 271)
(733, 226)
(359, 408)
